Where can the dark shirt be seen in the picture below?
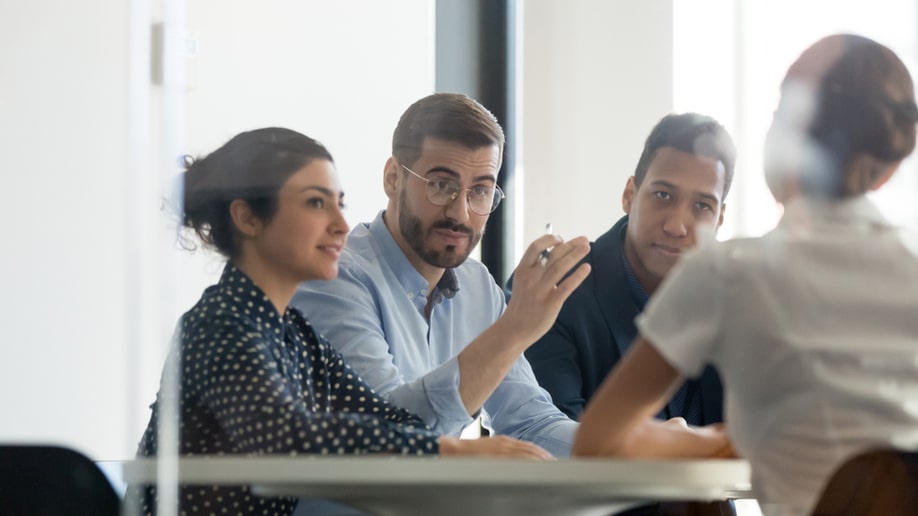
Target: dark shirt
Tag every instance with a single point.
(686, 401)
(638, 294)
(253, 382)
(595, 328)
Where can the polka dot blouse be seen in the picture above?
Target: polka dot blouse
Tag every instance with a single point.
(253, 382)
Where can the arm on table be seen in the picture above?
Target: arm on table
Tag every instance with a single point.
(357, 396)
(619, 420)
(350, 312)
(283, 405)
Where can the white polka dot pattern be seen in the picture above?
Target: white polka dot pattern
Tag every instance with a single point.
(255, 383)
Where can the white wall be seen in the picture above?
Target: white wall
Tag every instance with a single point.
(597, 75)
(62, 142)
(87, 305)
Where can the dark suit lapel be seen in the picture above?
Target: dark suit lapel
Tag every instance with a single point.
(613, 292)
(713, 406)
(611, 286)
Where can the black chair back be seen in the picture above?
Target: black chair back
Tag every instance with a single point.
(51, 480)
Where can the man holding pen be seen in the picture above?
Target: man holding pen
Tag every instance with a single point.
(421, 322)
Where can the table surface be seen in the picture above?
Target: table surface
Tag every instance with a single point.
(386, 485)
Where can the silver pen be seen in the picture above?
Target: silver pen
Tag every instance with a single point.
(543, 256)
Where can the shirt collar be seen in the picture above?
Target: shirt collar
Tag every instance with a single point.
(241, 288)
(802, 213)
(408, 276)
(448, 284)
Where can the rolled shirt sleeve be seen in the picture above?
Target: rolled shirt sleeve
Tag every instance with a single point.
(520, 408)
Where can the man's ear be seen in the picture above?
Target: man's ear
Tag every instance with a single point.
(628, 195)
(391, 175)
(244, 219)
(720, 220)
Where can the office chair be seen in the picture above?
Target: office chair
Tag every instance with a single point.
(52, 481)
(874, 483)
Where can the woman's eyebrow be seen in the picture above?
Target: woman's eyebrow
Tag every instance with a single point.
(321, 189)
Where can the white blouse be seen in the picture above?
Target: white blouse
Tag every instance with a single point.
(814, 330)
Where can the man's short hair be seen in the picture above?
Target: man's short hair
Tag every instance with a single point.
(693, 133)
(451, 117)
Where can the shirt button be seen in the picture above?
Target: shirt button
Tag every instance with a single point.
(411, 295)
(425, 292)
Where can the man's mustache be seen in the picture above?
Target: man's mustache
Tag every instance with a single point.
(459, 228)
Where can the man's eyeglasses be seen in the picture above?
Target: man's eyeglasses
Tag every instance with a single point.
(482, 199)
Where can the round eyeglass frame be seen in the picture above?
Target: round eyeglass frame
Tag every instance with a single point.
(495, 202)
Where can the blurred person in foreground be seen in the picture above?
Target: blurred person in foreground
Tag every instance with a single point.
(812, 327)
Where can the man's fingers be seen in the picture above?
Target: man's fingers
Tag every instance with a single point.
(564, 257)
(533, 254)
(570, 283)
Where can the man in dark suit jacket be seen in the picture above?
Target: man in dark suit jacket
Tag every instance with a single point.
(678, 189)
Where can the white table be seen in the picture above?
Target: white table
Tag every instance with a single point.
(386, 485)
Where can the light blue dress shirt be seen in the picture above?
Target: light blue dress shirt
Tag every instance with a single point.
(374, 315)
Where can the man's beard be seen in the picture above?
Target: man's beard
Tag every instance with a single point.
(412, 230)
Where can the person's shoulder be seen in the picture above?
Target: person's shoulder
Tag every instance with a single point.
(215, 303)
(358, 261)
(615, 234)
(358, 276)
(743, 249)
(363, 253)
(220, 319)
(211, 331)
(604, 259)
(725, 258)
(361, 247)
(606, 249)
(224, 305)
